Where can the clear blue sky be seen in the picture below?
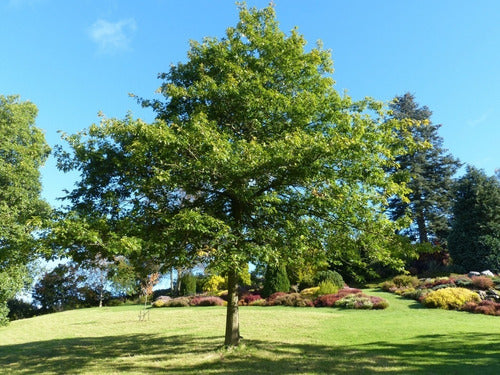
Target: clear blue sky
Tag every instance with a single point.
(75, 58)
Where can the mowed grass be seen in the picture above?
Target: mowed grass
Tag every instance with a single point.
(404, 339)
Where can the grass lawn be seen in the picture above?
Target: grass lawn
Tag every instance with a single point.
(403, 339)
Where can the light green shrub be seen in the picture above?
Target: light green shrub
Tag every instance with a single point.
(450, 298)
(405, 281)
(258, 302)
(310, 292)
(327, 287)
(332, 276)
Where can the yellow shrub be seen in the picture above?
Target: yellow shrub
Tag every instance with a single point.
(310, 292)
(450, 298)
(214, 283)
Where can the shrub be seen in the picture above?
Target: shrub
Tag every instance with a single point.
(178, 302)
(332, 276)
(272, 297)
(293, 299)
(379, 303)
(326, 300)
(450, 298)
(482, 282)
(310, 292)
(484, 307)
(275, 280)
(188, 284)
(362, 301)
(329, 300)
(405, 281)
(327, 287)
(207, 301)
(249, 298)
(388, 286)
(463, 282)
(214, 283)
(258, 302)
(496, 281)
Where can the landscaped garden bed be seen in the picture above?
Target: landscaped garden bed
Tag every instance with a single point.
(473, 292)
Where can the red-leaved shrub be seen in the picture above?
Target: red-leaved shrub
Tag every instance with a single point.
(487, 307)
(482, 282)
(249, 298)
(270, 300)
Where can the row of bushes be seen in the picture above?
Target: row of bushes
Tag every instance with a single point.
(475, 294)
(350, 298)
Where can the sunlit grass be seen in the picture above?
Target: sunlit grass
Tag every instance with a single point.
(404, 339)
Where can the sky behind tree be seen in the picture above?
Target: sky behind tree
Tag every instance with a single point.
(76, 58)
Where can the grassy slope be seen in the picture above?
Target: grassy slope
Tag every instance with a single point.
(279, 340)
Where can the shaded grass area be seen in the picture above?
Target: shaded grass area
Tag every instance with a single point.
(278, 340)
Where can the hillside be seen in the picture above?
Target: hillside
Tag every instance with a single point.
(404, 338)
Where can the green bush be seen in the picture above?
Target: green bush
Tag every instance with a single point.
(463, 282)
(275, 280)
(450, 298)
(405, 281)
(332, 276)
(327, 287)
(188, 284)
(310, 292)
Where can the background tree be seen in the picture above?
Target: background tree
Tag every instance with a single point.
(58, 289)
(431, 170)
(474, 240)
(23, 151)
(275, 280)
(253, 157)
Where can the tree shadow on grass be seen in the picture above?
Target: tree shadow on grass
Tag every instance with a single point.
(431, 354)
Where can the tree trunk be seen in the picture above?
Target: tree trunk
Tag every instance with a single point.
(232, 317)
(422, 227)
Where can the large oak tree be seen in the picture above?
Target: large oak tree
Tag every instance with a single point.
(253, 157)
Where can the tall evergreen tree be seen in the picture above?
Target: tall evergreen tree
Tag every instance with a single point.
(431, 172)
(474, 240)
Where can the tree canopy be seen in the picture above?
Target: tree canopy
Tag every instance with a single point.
(253, 157)
(23, 151)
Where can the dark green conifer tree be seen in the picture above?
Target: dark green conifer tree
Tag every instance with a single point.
(431, 172)
(474, 240)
